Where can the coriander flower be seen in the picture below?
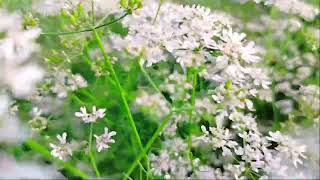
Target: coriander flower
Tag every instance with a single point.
(219, 138)
(90, 117)
(63, 150)
(103, 140)
(288, 147)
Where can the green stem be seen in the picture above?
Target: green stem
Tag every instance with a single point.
(276, 123)
(145, 73)
(86, 30)
(148, 146)
(158, 10)
(93, 13)
(93, 161)
(122, 93)
(193, 97)
(42, 150)
(75, 97)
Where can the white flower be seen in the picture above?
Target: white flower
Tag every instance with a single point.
(77, 81)
(242, 121)
(178, 30)
(161, 163)
(64, 81)
(98, 113)
(219, 138)
(90, 117)
(154, 102)
(176, 145)
(103, 140)
(63, 150)
(288, 147)
(170, 164)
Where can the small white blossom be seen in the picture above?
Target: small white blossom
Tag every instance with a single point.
(63, 149)
(90, 117)
(104, 139)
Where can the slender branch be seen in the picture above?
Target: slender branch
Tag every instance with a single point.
(149, 144)
(122, 93)
(43, 150)
(276, 122)
(158, 10)
(193, 97)
(93, 161)
(145, 73)
(87, 30)
(93, 13)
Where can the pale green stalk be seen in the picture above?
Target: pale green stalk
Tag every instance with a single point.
(193, 97)
(158, 10)
(93, 161)
(276, 123)
(86, 30)
(145, 73)
(121, 91)
(148, 146)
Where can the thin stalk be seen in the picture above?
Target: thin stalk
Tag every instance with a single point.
(102, 19)
(86, 93)
(93, 13)
(158, 10)
(122, 93)
(140, 174)
(276, 123)
(93, 161)
(86, 30)
(75, 97)
(44, 152)
(193, 97)
(145, 73)
(149, 145)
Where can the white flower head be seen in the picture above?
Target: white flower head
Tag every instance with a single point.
(90, 117)
(63, 150)
(104, 139)
(288, 147)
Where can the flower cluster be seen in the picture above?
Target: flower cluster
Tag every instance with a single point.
(196, 39)
(90, 117)
(62, 82)
(64, 149)
(297, 7)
